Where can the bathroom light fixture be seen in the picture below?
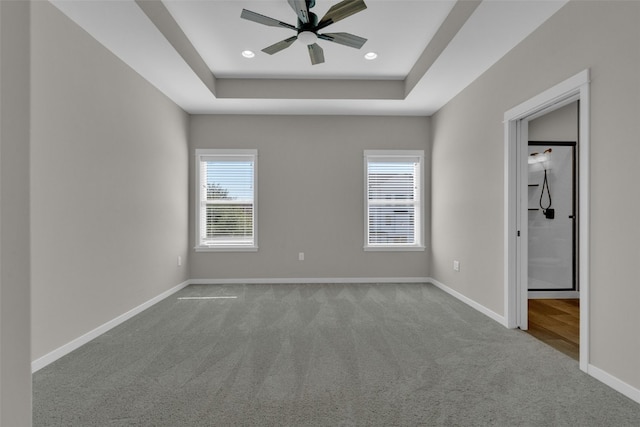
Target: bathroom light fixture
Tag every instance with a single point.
(535, 158)
(248, 54)
(371, 56)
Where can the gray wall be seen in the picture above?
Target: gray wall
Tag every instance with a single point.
(558, 125)
(15, 369)
(468, 143)
(310, 195)
(109, 192)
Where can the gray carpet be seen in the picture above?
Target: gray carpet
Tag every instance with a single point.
(320, 355)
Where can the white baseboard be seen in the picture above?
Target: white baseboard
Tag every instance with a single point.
(267, 281)
(553, 294)
(602, 376)
(481, 308)
(51, 357)
(608, 379)
(615, 383)
(56, 354)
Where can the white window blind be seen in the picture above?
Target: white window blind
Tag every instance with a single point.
(393, 199)
(226, 202)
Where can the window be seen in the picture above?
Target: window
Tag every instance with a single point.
(393, 200)
(226, 200)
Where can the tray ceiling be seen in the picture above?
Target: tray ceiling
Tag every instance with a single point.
(428, 51)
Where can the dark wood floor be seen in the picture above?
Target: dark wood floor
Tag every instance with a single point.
(557, 323)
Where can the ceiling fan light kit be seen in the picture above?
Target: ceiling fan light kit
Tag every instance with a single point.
(307, 37)
(308, 26)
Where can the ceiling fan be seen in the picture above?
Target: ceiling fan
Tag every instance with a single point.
(308, 26)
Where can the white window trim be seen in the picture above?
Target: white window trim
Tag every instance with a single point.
(231, 153)
(394, 155)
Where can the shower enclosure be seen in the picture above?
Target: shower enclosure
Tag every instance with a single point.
(552, 205)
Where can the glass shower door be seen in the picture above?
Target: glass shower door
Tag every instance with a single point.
(552, 219)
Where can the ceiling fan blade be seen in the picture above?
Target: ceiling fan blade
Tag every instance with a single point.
(340, 11)
(265, 20)
(301, 8)
(277, 47)
(344, 39)
(316, 53)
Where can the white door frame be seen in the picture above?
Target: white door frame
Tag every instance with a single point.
(515, 210)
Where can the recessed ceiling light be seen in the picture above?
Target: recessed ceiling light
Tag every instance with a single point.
(371, 56)
(248, 54)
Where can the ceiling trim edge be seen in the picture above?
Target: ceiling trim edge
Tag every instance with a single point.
(159, 16)
(355, 89)
(452, 24)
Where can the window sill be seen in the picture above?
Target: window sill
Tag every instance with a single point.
(393, 248)
(226, 249)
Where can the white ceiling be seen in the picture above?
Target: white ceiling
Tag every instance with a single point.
(204, 72)
(218, 33)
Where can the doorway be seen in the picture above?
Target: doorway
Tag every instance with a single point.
(553, 291)
(516, 140)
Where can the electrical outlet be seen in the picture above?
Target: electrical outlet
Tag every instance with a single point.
(300, 256)
(456, 265)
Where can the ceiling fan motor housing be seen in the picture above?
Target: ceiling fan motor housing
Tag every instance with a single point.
(313, 23)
